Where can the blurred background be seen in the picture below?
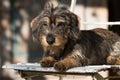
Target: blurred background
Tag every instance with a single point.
(16, 44)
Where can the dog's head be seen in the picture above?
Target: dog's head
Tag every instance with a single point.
(55, 26)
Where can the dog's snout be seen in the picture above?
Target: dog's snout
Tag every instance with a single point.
(50, 39)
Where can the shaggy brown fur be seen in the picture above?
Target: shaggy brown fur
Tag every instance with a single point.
(65, 46)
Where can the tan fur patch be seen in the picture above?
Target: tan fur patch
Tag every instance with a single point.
(43, 42)
(113, 60)
(59, 40)
(59, 20)
(46, 19)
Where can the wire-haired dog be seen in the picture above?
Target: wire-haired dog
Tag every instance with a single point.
(65, 46)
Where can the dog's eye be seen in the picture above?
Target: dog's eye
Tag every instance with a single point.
(60, 24)
(44, 24)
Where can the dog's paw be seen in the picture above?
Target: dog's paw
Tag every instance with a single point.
(47, 62)
(61, 66)
(113, 60)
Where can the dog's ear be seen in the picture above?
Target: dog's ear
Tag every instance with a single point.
(34, 27)
(74, 26)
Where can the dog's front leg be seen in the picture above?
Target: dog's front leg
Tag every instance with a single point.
(47, 60)
(50, 58)
(65, 64)
(74, 59)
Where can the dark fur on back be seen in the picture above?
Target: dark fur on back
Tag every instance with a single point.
(65, 46)
(96, 45)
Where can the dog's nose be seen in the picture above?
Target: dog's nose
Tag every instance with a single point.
(50, 39)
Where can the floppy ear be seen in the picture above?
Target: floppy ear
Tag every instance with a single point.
(34, 27)
(74, 26)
